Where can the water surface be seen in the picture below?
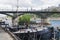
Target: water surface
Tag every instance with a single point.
(55, 22)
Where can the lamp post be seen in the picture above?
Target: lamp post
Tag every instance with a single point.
(15, 15)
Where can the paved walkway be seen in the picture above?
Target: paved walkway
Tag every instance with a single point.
(4, 35)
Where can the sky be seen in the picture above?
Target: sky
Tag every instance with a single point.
(23, 4)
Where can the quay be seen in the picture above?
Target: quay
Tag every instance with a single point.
(4, 35)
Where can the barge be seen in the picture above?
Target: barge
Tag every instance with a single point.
(38, 33)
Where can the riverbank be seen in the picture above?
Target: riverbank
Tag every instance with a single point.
(54, 18)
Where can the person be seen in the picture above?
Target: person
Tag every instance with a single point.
(6, 22)
(52, 33)
(58, 33)
(26, 25)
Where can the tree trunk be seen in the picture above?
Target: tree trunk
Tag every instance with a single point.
(45, 22)
(26, 25)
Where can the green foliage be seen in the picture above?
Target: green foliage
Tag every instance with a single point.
(24, 19)
(55, 15)
(54, 10)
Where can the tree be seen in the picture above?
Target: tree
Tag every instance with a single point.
(25, 19)
(54, 10)
(55, 14)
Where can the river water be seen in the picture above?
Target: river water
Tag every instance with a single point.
(55, 23)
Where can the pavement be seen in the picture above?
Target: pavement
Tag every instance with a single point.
(4, 35)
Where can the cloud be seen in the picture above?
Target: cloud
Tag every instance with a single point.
(45, 3)
(36, 4)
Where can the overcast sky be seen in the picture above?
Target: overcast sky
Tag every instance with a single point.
(37, 4)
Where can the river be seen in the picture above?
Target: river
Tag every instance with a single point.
(55, 23)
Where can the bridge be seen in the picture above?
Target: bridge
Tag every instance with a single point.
(22, 12)
(44, 14)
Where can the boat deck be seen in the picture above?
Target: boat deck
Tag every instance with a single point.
(4, 35)
(30, 30)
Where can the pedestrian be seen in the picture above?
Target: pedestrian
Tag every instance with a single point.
(6, 22)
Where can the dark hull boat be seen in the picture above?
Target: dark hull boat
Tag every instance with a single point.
(37, 34)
